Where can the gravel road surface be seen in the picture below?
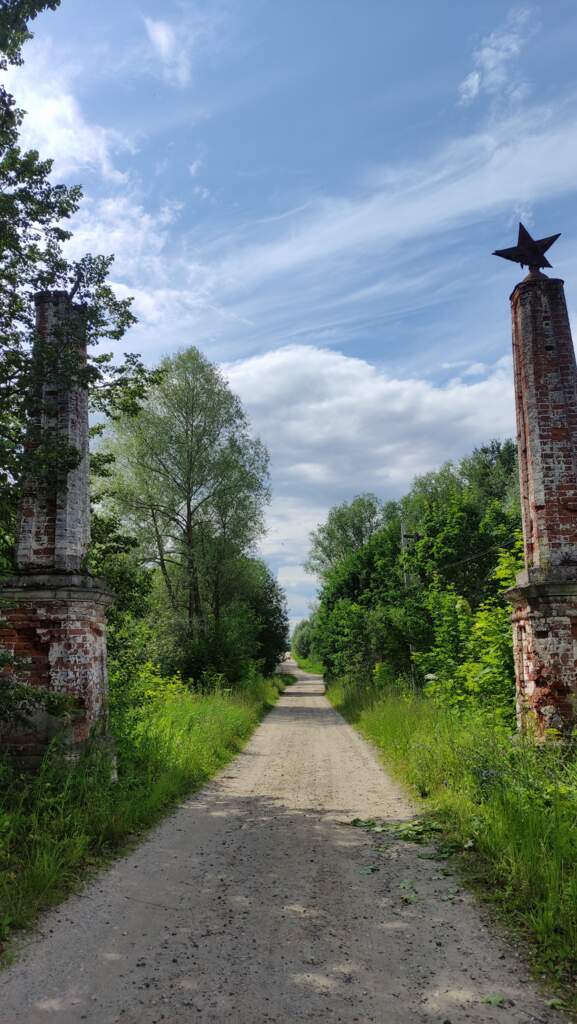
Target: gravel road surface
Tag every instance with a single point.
(256, 902)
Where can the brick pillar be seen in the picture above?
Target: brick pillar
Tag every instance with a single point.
(53, 614)
(545, 595)
(54, 517)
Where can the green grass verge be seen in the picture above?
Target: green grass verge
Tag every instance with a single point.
(57, 824)
(509, 809)
(316, 668)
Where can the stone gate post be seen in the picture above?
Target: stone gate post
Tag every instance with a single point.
(53, 613)
(544, 598)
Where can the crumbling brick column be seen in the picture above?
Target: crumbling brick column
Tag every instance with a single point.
(53, 613)
(545, 595)
(54, 516)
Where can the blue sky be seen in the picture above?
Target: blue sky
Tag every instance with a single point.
(310, 193)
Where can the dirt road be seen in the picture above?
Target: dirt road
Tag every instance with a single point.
(256, 902)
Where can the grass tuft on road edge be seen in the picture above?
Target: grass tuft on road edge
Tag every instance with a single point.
(57, 824)
(316, 668)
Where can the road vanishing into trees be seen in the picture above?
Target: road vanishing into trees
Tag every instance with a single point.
(257, 902)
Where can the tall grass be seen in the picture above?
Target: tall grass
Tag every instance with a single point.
(57, 822)
(312, 665)
(510, 806)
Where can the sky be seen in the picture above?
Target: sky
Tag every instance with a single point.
(310, 193)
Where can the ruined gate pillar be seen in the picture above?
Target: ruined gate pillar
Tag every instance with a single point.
(53, 613)
(545, 595)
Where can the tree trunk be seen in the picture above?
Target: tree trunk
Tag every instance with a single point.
(162, 562)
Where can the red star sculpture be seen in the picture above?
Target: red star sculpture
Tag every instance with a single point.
(529, 252)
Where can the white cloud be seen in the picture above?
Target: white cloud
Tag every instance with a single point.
(119, 224)
(292, 577)
(475, 370)
(162, 37)
(495, 59)
(173, 49)
(194, 168)
(176, 45)
(470, 86)
(356, 428)
(55, 124)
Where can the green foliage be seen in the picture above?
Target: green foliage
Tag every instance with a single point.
(348, 528)
(509, 808)
(188, 483)
(14, 31)
(18, 703)
(114, 557)
(422, 598)
(311, 665)
(509, 563)
(267, 601)
(303, 648)
(471, 660)
(302, 639)
(345, 643)
(451, 620)
(136, 684)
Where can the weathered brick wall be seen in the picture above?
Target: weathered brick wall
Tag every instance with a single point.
(546, 406)
(545, 597)
(55, 627)
(545, 647)
(54, 519)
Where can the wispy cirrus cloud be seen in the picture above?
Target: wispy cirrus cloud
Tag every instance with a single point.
(173, 50)
(330, 266)
(176, 43)
(495, 71)
(489, 170)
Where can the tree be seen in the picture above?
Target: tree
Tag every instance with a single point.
(435, 602)
(191, 483)
(347, 529)
(302, 638)
(14, 30)
(268, 602)
(457, 519)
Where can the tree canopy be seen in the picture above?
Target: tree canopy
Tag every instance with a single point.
(191, 484)
(422, 596)
(348, 528)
